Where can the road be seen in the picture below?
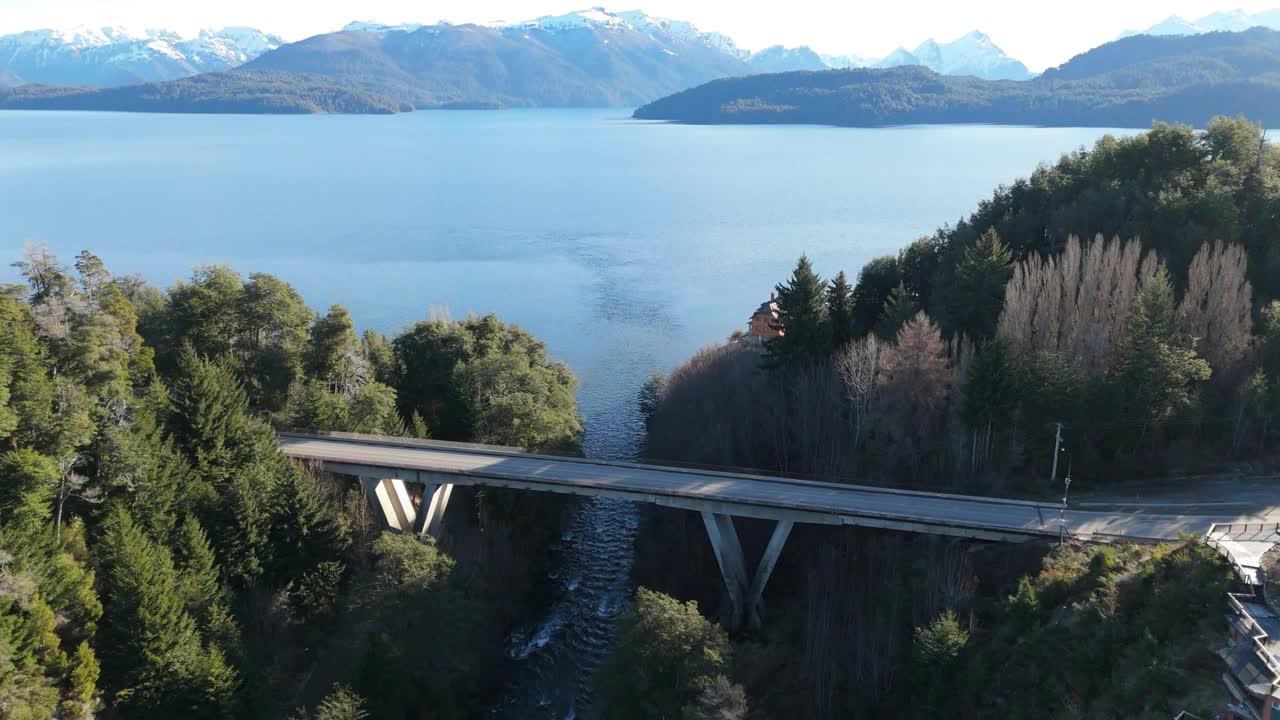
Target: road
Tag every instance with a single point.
(743, 495)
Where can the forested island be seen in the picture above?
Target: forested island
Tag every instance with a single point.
(159, 556)
(1126, 83)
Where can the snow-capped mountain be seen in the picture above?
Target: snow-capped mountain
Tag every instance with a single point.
(104, 57)
(781, 59)
(1223, 21)
(973, 54)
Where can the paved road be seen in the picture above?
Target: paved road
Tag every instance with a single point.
(741, 495)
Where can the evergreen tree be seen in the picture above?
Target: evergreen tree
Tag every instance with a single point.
(373, 410)
(157, 665)
(209, 416)
(876, 282)
(665, 654)
(978, 293)
(334, 355)
(802, 314)
(28, 481)
(304, 529)
(198, 573)
(81, 696)
(378, 354)
(341, 704)
(840, 311)
(899, 309)
(27, 414)
(1157, 375)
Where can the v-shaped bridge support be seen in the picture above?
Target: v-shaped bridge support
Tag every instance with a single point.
(395, 509)
(745, 593)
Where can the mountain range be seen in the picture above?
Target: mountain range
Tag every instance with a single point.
(1226, 21)
(105, 57)
(1127, 83)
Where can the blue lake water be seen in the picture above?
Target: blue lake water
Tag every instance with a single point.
(626, 246)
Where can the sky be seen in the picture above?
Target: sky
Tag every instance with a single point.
(1041, 34)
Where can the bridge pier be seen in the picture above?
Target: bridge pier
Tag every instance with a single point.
(395, 510)
(745, 593)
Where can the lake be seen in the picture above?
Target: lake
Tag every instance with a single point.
(625, 245)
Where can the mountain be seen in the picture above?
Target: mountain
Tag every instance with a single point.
(1126, 83)
(1225, 21)
(781, 59)
(973, 54)
(587, 58)
(102, 57)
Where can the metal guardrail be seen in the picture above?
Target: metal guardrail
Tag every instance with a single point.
(1267, 658)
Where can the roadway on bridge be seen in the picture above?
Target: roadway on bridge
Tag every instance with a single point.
(744, 495)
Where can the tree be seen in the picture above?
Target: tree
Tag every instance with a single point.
(158, 667)
(666, 653)
(802, 315)
(980, 280)
(198, 575)
(373, 410)
(719, 698)
(334, 355)
(899, 309)
(859, 364)
(272, 334)
(341, 704)
(80, 700)
(28, 481)
(512, 401)
(840, 311)
(209, 415)
(915, 391)
(876, 282)
(1156, 375)
(917, 264)
(378, 354)
(204, 314)
(990, 396)
(651, 394)
(1217, 307)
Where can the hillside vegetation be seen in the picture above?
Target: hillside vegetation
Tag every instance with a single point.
(1128, 292)
(159, 556)
(1126, 83)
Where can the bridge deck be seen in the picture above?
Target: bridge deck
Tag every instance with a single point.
(736, 494)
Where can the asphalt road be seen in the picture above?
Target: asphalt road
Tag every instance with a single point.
(755, 496)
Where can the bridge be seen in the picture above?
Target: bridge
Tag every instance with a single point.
(409, 482)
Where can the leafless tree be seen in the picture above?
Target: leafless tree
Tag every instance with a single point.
(859, 365)
(1218, 305)
(1077, 303)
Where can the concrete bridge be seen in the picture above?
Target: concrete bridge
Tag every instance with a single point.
(409, 483)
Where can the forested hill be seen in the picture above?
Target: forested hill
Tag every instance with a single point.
(1127, 83)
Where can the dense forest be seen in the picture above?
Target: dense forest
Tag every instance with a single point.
(1126, 83)
(1129, 292)
(232, 91)
(160, 558)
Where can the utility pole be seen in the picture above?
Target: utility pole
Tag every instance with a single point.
(1062, 515)
(1057, 446)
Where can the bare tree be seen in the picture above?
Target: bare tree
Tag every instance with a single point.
(1217, 308)
(917, 387)
(1077, 303)
(859, 365)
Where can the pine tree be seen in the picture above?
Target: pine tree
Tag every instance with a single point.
(341, 704)
(1157, 375)
(157, 665)
(802, 314)
(209, 416)
(198, 573)
(980, 280)
(305, 529)
(876, 282)
(27, 413)
(28, 481)
(840, 311)
(80, 700)
(899, 309)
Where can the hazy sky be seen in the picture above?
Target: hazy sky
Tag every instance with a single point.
(1040, 34)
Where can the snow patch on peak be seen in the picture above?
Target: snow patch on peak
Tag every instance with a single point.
(582, 19)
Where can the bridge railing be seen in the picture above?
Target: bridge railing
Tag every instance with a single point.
(1257, 635)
